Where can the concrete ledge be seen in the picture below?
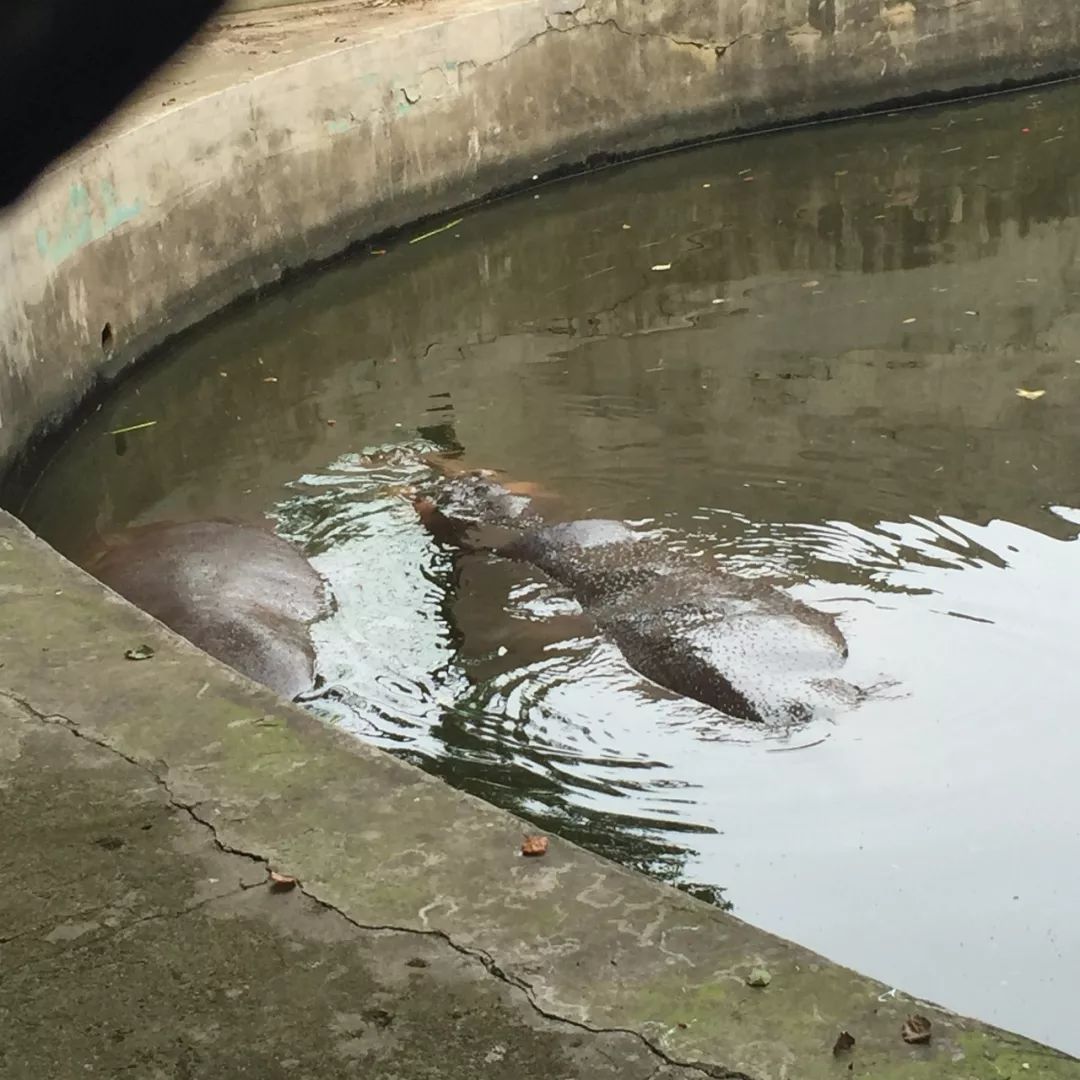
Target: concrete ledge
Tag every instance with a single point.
(272, 144)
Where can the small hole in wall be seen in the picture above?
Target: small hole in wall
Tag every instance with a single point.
(106, 337)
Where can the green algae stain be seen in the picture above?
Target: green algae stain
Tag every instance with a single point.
(86, 218)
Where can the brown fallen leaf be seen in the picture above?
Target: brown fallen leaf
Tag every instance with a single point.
(330, 423)
(916, 1030)
(281, 882)
(534, 845)
(845, 1041)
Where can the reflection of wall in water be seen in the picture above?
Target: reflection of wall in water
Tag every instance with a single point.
(545, 326)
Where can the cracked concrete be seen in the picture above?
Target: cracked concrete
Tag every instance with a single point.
(143, 804)
(188, 964)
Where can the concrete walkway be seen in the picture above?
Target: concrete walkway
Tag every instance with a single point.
(135, 945)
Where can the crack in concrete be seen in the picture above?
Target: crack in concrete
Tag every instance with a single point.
(719, 48)
(87, 942)
(484, 958)
(576, 23)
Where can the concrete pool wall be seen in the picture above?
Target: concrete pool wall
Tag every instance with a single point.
(278, 139)
(289, 134)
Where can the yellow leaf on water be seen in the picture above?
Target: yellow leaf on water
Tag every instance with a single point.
(1030, 395)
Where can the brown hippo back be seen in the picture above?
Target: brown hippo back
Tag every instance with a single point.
(239, 592)
(739, 645)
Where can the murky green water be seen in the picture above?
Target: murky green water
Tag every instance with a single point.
(798, 355)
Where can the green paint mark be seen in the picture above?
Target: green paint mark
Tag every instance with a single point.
(338, 126)
(85, 219)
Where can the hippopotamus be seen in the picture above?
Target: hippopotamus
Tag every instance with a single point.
(740, 645)
(237, 591)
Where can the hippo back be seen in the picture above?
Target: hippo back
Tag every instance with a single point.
(238, 592)
(739, 645)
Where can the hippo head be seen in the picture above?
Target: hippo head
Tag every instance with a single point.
(474, 510)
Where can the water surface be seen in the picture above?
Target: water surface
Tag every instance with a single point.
(795, 355)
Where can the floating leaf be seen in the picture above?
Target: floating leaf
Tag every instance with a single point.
(845, 1041)
(916, 1030)
(534, 845)
(908, 322)
(758, 977)
(282, 882)
(662, 266)
(813, 284)
(142, 652)
(133, 427)
(1030, 395)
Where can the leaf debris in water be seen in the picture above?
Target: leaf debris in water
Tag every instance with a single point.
(142, 652)
(133, 427)
(759, 977)
(662, 266)
(1030, 395)
(281, 882)
(435, 232)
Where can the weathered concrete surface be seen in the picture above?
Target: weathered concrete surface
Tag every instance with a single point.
(287, 134)
(133, 944)
(136, 942)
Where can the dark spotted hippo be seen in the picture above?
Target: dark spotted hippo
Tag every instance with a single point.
(239, 592)
(740, 645)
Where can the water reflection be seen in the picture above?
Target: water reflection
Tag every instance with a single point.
(797, 356)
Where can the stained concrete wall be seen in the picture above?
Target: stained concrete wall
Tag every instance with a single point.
(282, 142)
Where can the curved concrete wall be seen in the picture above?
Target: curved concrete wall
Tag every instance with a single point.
(341, 122)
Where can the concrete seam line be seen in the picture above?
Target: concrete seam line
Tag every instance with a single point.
(488, 962)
